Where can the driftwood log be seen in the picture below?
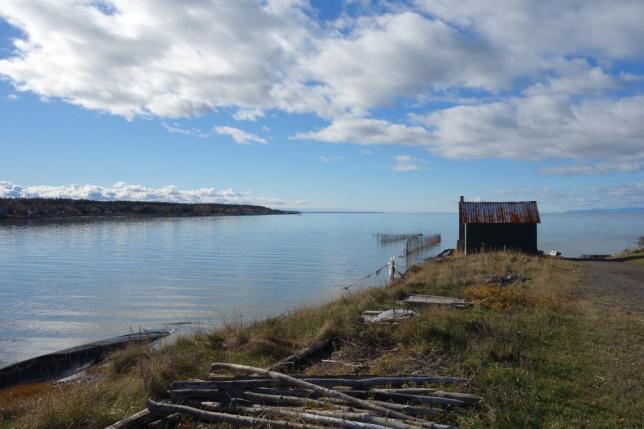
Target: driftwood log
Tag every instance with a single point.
(140, 419)
(233, 419)
(351, 381)
(365, 417)
(264, 398)
(309, 417)
(316, 351)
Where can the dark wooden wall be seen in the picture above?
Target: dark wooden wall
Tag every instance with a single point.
(498, 236)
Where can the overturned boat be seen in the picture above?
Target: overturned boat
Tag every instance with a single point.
(64, 363)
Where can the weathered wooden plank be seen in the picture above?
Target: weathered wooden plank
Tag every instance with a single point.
(392, 315)
(436, 300)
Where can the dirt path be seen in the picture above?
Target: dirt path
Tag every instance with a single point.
(615, 283)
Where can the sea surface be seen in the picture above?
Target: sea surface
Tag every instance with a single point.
(68, 283)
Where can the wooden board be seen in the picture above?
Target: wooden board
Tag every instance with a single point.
(436, 300)
(387, 315)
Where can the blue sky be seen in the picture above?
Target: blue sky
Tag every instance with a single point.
(395, 106)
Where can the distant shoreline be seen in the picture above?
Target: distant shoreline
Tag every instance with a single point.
(627, 210)
(29, 209)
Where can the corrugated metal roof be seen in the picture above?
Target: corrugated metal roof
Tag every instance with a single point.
(499, 212)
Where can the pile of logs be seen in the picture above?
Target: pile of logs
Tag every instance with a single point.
(256, 397)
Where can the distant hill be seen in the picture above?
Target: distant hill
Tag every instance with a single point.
(620, 210)
(36, 208)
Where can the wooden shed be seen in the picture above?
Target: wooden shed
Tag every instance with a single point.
(497, 225)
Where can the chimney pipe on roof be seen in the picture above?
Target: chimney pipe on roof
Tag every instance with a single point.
(462, 198)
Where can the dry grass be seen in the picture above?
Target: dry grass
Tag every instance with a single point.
(538, 351)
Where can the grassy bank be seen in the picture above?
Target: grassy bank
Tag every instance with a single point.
(633, 256)
(539, 351)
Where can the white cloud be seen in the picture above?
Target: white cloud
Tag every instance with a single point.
(367, 131)
(174, 59)
(559, 58)
(631, 77)
(248, 114)
(606, 133)
(126, 192)
(12, 97)
(398, 55)
(166, 58)
(549, 28)
(177, 129)
(573, 77)
(541, 127)
(405, 163)
(240, 136)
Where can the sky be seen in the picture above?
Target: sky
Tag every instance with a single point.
(323, 104)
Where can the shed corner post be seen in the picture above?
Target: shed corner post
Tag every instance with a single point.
(462, 217)
(465, 244)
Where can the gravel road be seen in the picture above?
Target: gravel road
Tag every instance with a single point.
(616, 283)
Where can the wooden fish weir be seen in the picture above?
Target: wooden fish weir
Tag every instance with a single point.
(414, 244)
(390, 238)
(263, 398)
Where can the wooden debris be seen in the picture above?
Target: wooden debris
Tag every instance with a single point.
(269, 399)
(263, 398)
(318, 350)
(392, 315)
(436, 300)
(351, 381)
(422, 399)
(139, 419)
(504, 280)
(338, 362)
(333, 419)
(234, 419)
(323, 391)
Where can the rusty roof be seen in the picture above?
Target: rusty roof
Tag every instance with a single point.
(499, 212)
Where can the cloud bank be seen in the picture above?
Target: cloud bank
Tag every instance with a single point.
(610, 197)
(538, 81)
(122, 191)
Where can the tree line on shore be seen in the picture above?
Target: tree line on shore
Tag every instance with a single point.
(27, 208)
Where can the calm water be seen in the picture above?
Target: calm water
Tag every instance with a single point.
(63, 284)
